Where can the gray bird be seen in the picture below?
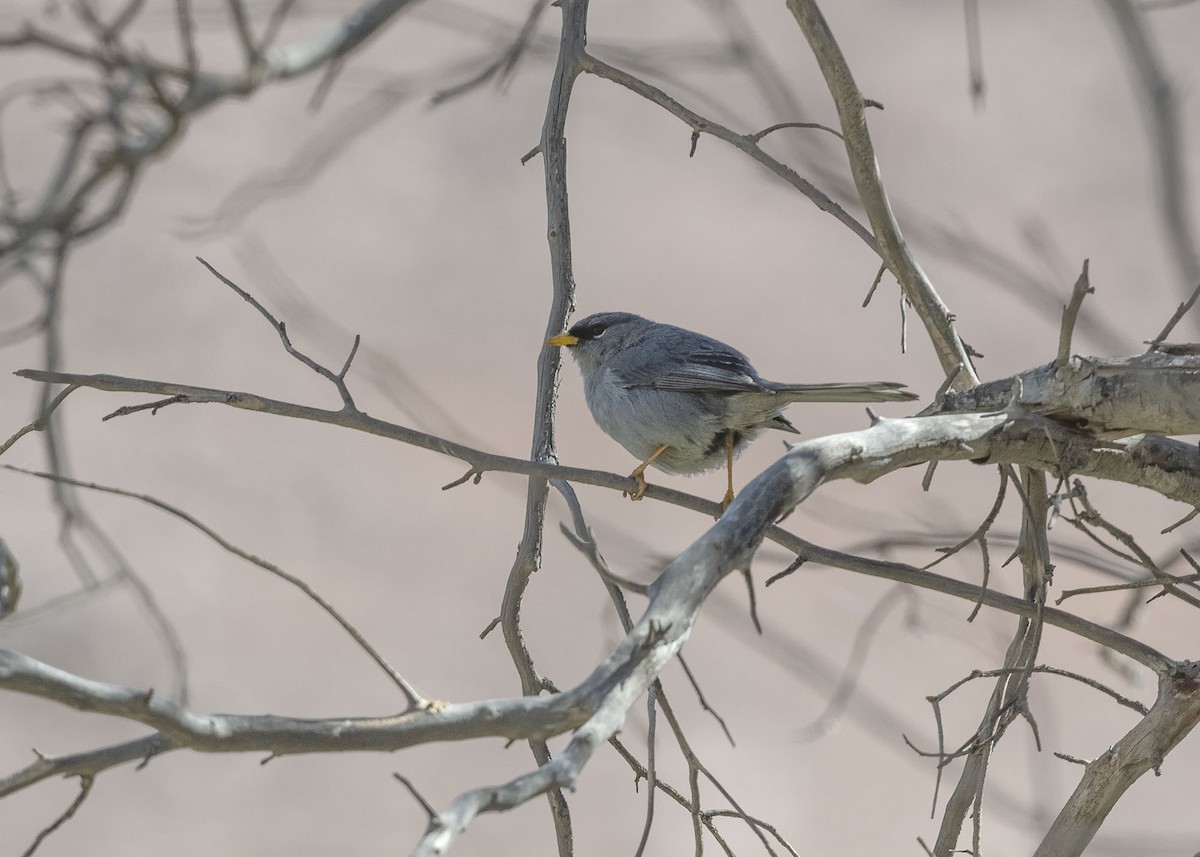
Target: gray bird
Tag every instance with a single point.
(686, 402)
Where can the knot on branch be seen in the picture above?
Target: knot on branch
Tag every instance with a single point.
(1185, 678)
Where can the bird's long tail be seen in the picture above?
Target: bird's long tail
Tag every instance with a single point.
(867, 391)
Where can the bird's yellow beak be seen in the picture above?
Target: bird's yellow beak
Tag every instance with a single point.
(563, 339)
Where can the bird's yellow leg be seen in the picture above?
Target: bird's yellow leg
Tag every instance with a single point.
(640, 491)
(729, 470)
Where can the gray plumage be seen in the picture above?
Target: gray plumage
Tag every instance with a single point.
(650, 384)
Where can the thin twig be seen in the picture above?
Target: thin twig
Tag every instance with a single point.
(503, 66)
(86, 782)
(1180, 312)
(414, 698)
(757, 137)
(704, 701)
(651, 767)
(416, 795)
(1121, 587)
(875, 285)
(1137, 556)
(338, 379)
(41, 421)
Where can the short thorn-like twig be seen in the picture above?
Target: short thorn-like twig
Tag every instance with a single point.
(472, 473)
(1071, 313)
(417, 796)
(152, 407)
(874, 285)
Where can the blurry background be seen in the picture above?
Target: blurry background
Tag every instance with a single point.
(416, 226)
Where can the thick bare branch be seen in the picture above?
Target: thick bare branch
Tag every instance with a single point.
(1175, 712)
(1111, 397)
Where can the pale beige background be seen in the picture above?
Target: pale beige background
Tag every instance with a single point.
(426, 236)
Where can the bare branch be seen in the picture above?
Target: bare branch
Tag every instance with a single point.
(187, 36)
(515, 719)
(85, 764)
(411, 694)
(651, 766)
(243, 31)
(412, 790)
(1174, 714)
(600, 704)
(780, 125)
(865, 168)
(1009, 697)
(502, 68)
(338, 379)
(745, 142)
(10, 580)
(700, 698)
(1151, 393)
(1070, 313)
(1180, 312)
(1122, 587)
(40, 422)
(552, 774)
(1090, 516)
(85, 788)
(299, 58)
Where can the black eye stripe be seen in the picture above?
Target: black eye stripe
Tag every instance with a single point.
(589, 331)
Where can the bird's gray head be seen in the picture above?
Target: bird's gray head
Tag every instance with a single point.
(594, 339)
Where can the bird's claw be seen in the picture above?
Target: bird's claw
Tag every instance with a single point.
(639, 492)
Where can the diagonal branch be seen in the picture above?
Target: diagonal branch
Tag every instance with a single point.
(411, 694)
(938, 320)
(748, 143)
(1175, 712)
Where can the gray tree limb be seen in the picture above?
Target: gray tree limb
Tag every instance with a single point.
(1175, 712)
(1109, 397)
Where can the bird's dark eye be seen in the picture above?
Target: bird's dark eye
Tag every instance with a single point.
(589, 331)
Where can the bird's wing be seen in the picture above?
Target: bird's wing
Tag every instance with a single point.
(711, 368)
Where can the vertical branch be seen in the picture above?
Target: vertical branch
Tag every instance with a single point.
(1009, 697)
(553, 147)
(1082, 289)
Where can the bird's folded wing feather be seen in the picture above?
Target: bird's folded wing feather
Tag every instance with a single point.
(704, 371)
